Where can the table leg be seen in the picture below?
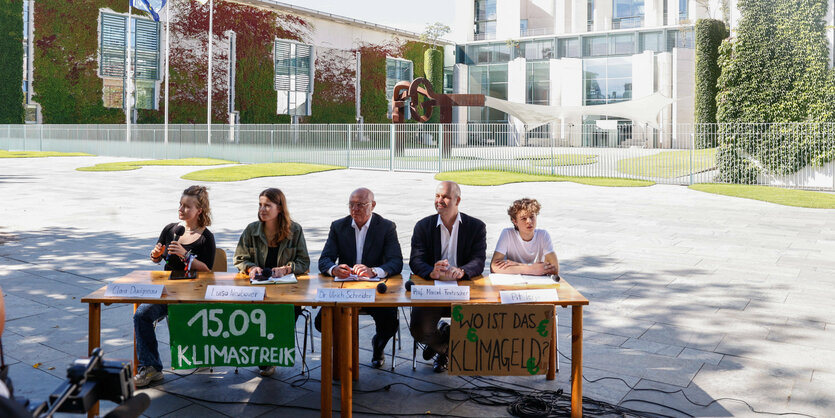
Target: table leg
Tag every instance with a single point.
(93, 341)
(577, 361)
(135, 356)
(337, 339)
(346, 357)
(355, 345)
(327, 353)
(552, 352)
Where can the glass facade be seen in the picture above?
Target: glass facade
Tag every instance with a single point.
(682, 10)
(538, 80)
(536, 50)
(627, 14)
(485, 19)
(489, 80)
(607, 80)
(397, 70)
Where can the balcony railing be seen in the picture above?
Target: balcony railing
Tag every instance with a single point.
(536, 32)
(484, 36)
(628, 22)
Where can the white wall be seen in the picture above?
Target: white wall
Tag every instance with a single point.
(462, 27)
(540, 15)
(562, 17)
(507, 19)
(643, 74)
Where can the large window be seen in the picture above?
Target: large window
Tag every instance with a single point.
(397, 70)
(538, 81)
(488, 54)
(485, 19)
(682, 10)
(145, 40)
(651, 41)
(490, 80)
(607, 80)
(627, 14)
(293, 77)
(536, 50)
(570, 48)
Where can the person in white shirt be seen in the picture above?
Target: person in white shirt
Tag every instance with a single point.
(524, 249)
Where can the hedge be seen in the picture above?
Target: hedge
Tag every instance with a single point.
(775, 70)
(709, 35)
(11, 66)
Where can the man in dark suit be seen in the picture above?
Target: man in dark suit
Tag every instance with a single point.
(365, 244)
(447, 246)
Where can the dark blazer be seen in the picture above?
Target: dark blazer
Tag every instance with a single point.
(381, 249)
(426, 246)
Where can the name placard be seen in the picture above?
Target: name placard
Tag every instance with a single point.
(423, 292)
(528, 296)
(346, 295)
(127, 290)
(214, 292)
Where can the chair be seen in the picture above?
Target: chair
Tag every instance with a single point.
(220, 261)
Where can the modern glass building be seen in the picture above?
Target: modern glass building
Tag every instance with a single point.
(577, 53)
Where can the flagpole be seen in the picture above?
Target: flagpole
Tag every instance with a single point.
(128, 96)
(209, 93)
(167, 71)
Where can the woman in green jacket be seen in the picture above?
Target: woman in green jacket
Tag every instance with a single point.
(273, 245)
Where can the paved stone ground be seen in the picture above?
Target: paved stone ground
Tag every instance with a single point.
(692, 294)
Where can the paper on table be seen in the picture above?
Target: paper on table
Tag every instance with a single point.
(446, 283)
(355, 278)
(501, 279)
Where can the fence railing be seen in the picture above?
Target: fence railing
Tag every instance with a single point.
(788, 155)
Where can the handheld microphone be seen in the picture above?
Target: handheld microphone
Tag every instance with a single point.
(381, 287)
(556, 277)
(179, 230)
(409, 284)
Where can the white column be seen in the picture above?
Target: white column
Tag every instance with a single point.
(603, 12)
(507, 19)
(580, 18)
(516, 83)
(562, 17)
(460, 84)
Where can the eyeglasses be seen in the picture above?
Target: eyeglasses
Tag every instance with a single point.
(358, 205)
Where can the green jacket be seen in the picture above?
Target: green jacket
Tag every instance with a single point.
(252, 249)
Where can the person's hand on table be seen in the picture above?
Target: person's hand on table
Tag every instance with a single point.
(341, 271)
(362, 270)
(541, 269)
(441, 267)
(453, 273)
(255, 271)
(506, 263)
(550, 268)
(282, 271)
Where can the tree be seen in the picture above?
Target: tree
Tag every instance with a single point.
(433, 33)
(709, 35)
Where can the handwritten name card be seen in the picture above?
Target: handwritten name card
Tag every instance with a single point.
(422, 292)
(214, 292)
(125, 290)
(528, 296)
(346, 295)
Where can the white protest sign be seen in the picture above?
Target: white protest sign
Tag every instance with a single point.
(214, 292)
(528, 296)
(423, 292)
(127, 290)
(345, 295)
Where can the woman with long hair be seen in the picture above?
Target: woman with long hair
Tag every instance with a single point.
(273, 245)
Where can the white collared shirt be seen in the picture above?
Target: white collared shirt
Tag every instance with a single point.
(449, 240)
(359, 236)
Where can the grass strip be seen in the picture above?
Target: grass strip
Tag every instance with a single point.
(669, 164)
(251, 171)
(39, 154)
(495, 178)
(135, 165)
(778, 195)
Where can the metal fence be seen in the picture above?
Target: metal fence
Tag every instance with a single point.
(787, 155)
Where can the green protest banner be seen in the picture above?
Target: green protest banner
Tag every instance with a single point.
(226, 334)
(500, 340)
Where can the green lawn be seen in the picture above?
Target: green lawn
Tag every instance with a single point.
(669, 164)
(134, 165)
(494, 178)
(780, 196)
(561, 159)
(38, 154)
(251, 171)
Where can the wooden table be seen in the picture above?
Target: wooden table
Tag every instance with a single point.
(482, 291)
(339, 321)
(302, 293)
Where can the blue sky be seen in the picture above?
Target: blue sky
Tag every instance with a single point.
(407, 15)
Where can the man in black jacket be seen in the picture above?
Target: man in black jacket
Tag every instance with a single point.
(365, 244)
(447, 246)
